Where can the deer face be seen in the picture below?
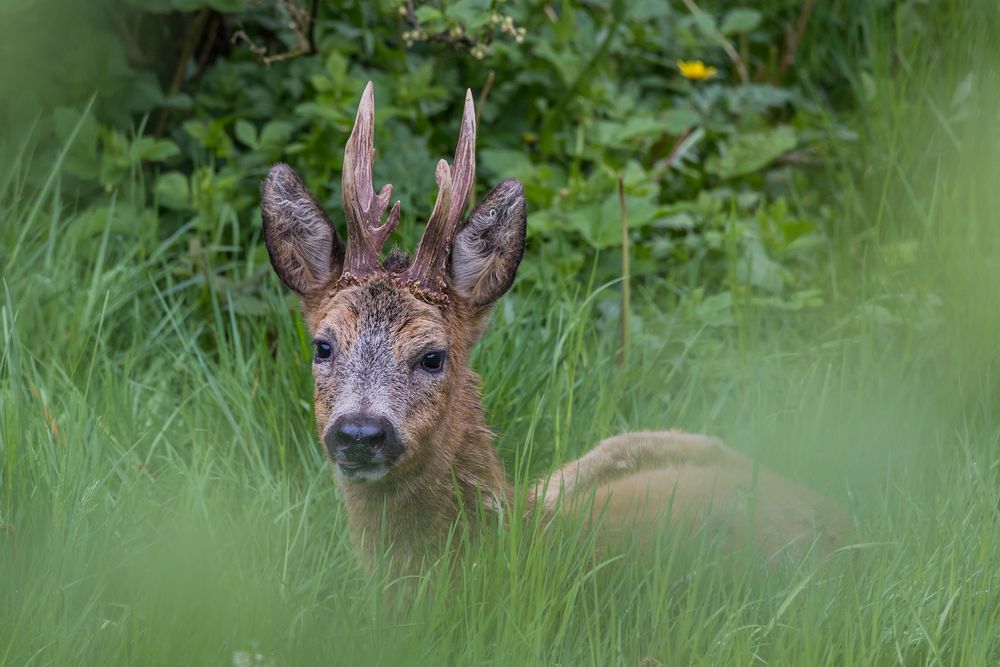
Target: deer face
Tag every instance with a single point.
(381, 369)
(391, 339)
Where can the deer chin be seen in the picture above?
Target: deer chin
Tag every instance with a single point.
(362, 472)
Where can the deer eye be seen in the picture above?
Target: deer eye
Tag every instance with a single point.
(433, 362)
(323, 350)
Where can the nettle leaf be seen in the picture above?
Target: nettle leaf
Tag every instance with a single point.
(740, 20)
(612, 132)
(600, 222)
(246, 133)
(178, 101)
(716, 310)
(507, 163)
(705, 23)
(428, 14)
(756, 268)
(212, 136)
(678, 121)
(757, 98)
(153, 150)
(647, 10)
(473, 14)
(173, 190)
(565, 61)
(747, 153)
(276, 134)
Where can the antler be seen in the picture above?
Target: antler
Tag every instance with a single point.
(363, 209)
(426, 275)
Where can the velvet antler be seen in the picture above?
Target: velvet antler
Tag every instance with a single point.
(426, 275)
(363, 209)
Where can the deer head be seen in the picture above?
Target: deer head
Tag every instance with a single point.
(392, 337)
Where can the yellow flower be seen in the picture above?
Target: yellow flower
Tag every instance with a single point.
(695, 69)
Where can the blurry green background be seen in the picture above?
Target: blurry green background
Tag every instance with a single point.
(815, 259)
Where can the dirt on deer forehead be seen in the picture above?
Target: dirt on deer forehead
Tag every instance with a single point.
(379, 310)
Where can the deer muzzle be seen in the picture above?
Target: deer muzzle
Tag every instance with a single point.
(363, 446)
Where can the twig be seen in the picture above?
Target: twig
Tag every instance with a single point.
(209, 42)
(241, 36)
(311, 30)
(484, 95)
(194, 32)
(626, 275)
(303, 27)
(726, 45)
(794, 38)
(799, 159)
(668, 162)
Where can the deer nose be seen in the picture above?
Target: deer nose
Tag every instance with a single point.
(352, 431)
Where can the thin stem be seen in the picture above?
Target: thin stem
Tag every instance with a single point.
(626, 275)
(794, 39)
(484, 94)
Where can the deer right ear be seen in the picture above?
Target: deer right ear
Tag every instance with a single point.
(305, 250)
(489, 247)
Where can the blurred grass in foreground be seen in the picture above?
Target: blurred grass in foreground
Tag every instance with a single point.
(162, 501)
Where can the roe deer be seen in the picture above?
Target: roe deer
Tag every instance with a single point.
(397, 407)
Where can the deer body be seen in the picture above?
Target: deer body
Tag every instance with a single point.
(397, 408)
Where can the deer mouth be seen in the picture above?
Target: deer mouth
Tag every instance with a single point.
(363, 471)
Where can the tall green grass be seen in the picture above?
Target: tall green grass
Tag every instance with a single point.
(162, 500)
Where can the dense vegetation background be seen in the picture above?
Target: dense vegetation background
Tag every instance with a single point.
(195, 100)
(814, 270)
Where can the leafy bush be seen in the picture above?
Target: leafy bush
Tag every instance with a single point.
(204, 95)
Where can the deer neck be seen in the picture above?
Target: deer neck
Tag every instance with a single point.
(411, 516)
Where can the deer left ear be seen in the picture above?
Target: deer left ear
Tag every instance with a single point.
(488, 249)
(305, 250)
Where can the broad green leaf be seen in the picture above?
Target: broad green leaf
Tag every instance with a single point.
(505, 163)
(678, 121)
(276, 134)
(716, 310)
(705, 23)
(600, 222)
(173, 190)
(473, 14)
(154, 150)
(749, 152)
(756, 268)
(246, 133)
(610, 132)
(740, 20)
(428, 14)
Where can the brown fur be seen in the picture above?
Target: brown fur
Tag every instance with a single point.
(637, 482)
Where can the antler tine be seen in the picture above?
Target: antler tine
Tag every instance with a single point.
(363, 209)
(455, 181)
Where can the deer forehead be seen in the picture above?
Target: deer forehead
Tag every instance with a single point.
(380, 315)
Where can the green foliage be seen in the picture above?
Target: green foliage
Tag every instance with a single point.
(573, 97)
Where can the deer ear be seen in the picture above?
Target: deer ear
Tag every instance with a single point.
(305, 250)
(488, 249)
